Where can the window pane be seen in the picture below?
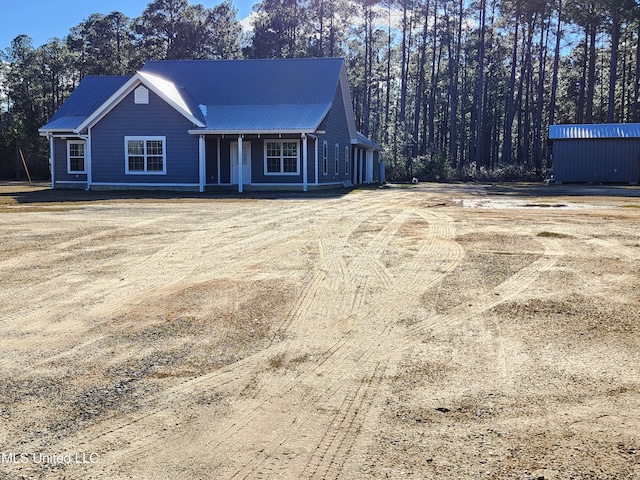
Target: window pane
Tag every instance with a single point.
(154, 147)
(290, 165)
(135, 147)
(76, 149)
(273, 165)
(76, 164)
(289, 149)
(273, 149)
(136, 164)
(154, 164)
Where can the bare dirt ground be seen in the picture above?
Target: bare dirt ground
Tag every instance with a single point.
(435, 331)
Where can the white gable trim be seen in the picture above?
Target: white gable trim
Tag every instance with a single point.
(164, 89)
(348, 105)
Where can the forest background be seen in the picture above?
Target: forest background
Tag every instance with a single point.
(452, 89)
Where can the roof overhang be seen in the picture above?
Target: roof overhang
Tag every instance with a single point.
(161, 87)
(594, 131)
(207, 131)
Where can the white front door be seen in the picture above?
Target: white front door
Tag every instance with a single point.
(246, 162)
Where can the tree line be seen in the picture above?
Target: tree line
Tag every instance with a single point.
(452, 89)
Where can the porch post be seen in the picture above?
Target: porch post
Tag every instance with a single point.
(87, 158)
(52, 160)
(240, 164)
(360, 177)
(315, 141)
(304, 162)
(202, 160)
(218, 160)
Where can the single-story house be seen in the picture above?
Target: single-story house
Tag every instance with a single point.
(605, 153)
(200, 124)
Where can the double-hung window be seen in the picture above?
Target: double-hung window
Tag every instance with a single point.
(76, 156)
(346, 160)
(337, 159)
(281, 157)
(325, 158)
(145, 155)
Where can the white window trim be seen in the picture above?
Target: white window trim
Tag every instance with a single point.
(73, 142)
(336, 161)
(145, 172)
(282, 172)
(325, 158)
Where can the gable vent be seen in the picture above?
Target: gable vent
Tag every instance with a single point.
(141, 96)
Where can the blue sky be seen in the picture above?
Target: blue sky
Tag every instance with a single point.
(45, 19)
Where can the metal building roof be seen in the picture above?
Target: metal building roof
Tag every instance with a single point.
(607, 130)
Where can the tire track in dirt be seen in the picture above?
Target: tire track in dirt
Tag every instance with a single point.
(353, 352)
(329, 265)
(509, 289)
(248, 364)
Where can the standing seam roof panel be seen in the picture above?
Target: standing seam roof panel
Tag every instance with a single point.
(253, 82)
(610, 130)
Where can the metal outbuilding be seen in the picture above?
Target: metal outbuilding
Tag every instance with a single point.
(605, 153)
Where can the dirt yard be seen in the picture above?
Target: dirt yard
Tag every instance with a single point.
(431, 331)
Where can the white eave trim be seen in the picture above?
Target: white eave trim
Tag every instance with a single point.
(126, 89)
(249, 132)
(348, 105)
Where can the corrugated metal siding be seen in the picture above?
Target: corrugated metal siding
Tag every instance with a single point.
(596, 161)
(610, 130)
(156, 118)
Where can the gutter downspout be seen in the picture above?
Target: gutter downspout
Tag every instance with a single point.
(87, 158)
(240, 164)
(51, 160)
(201, 159)
(304, 162)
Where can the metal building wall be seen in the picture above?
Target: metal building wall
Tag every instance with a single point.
(596, 160)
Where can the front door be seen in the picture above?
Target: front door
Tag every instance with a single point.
(246, 162)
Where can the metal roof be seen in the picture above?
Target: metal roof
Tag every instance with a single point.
(367, 143)
(88, 95)
(220, 96)
(608, 130)
(253, 82)
(264, 118)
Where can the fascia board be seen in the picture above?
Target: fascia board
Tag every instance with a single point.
(248, 132)
(348, 105)
(121, 94)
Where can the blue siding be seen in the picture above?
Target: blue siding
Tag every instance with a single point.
(154, 119)
(225, 160)
(211, 147)
(60, 164)
(596, 160)
(337, 132)
(257, 164)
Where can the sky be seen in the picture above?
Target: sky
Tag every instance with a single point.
(45, 19)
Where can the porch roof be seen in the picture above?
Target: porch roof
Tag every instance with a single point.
(279, 118)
